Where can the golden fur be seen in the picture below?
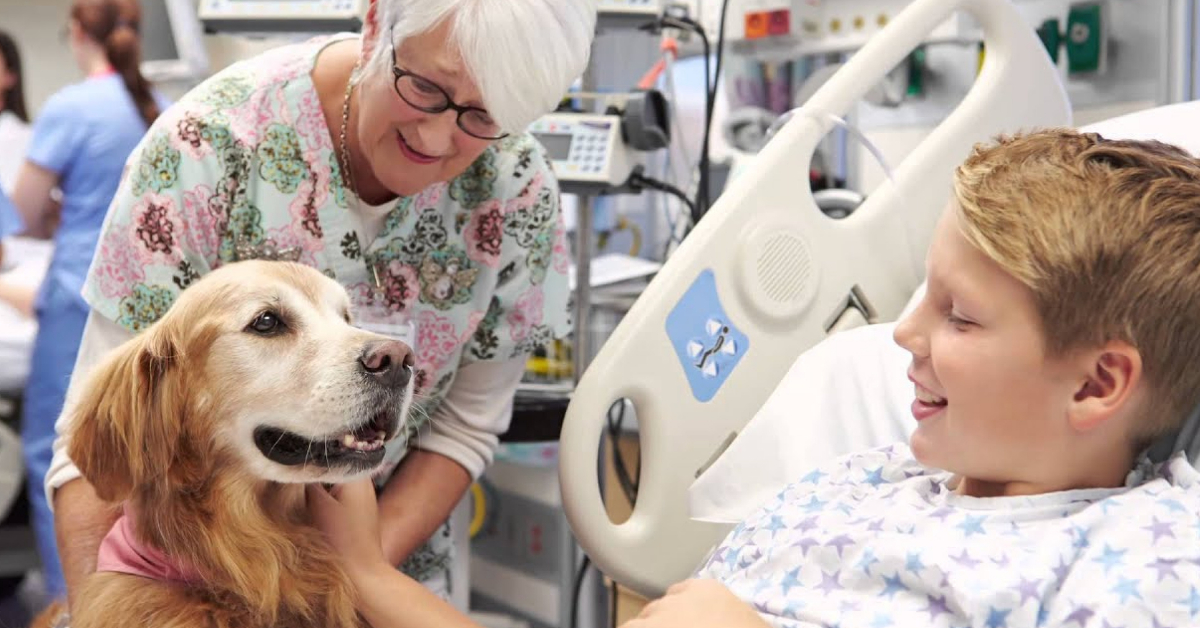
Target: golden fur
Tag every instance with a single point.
(161, 424)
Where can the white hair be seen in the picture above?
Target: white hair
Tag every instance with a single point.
(523, 55)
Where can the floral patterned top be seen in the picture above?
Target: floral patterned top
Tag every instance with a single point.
(244, 166)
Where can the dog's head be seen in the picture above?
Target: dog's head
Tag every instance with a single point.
(256, 365)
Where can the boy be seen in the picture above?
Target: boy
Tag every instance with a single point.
(1059, 335)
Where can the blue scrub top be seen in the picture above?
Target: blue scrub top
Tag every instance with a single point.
(10, 220)
(84, 133)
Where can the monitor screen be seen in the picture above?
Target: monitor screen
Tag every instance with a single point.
(173, 46)
(158, 38)
(558, 145)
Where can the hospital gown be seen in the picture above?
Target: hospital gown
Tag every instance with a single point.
(875, 540)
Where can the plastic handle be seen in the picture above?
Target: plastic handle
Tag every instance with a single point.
(632, 552)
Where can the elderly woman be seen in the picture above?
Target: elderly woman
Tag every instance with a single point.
(395, 162)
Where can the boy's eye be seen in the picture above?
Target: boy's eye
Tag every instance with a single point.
(957, 321)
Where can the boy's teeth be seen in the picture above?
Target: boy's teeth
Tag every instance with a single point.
(928, 397)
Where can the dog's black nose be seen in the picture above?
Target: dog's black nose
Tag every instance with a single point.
(388, 361)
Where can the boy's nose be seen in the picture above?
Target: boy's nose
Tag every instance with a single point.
(909, 335)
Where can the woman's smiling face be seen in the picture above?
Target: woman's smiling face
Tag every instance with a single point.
(408, 149)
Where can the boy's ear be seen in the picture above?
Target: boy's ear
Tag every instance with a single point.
(1111, 377)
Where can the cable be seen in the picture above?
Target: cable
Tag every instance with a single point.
(637, 181)
(628, 482)
(578, 588)
(686, 23)
(712, 104)
(720, 52)
(612, 603)
(623, 224)
(710, 94)
(629, 485)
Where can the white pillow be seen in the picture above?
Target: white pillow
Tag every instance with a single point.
(849, 392)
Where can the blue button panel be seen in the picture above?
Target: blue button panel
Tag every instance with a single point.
(708, 345)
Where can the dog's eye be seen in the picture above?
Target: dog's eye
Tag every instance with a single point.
(266, 323)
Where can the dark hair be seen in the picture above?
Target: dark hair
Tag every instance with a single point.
(114, 25)
(14, 98)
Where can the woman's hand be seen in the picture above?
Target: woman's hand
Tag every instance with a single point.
(698, 604)
(348, 515)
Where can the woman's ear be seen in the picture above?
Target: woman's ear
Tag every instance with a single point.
(370, 32)
(1112, 376)
(126, 425)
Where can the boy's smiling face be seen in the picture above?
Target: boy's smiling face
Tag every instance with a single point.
(990, 405)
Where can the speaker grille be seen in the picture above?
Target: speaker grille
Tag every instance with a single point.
(784, 268)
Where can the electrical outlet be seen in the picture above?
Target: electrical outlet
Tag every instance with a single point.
(1086, 38)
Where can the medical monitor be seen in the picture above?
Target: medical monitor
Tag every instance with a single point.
(282, 16)
(172, 41)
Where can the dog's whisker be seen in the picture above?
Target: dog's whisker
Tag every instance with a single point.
(272, 450)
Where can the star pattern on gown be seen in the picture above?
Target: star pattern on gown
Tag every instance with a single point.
(872, 544)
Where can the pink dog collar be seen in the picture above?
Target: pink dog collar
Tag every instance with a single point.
(121, 552)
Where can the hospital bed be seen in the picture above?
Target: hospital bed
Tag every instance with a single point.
(765, 277)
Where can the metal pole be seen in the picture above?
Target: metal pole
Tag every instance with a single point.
(1176, 73)
(570, 559)
(583, 286)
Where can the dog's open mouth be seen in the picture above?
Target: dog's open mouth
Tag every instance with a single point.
(359, 447)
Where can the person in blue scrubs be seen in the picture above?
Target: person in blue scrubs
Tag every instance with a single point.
(14, 132)
(81, 140)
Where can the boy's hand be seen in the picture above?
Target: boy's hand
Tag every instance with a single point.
(348, 515)
(698, 604)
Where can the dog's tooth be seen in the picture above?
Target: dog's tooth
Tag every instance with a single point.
(348, 440)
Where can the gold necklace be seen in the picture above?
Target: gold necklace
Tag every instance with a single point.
(347, 174)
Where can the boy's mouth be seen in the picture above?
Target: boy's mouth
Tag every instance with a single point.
(928, 398)
(927, 404)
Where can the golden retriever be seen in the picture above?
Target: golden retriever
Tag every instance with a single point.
(208, 425)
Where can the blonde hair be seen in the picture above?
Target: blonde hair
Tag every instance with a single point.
(1106, 233)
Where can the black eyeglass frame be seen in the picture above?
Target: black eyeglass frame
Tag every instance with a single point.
(398, 73)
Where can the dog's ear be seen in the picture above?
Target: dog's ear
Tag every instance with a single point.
(126, 425)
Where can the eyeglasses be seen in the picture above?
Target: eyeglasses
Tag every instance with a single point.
(425, 95)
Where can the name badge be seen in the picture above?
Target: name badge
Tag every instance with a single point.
(380, 320)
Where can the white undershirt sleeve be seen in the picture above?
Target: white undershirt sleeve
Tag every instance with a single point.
(100, 337)
(477, 409)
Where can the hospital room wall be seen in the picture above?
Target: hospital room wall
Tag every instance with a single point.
(1143, 71)
(49, 66)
